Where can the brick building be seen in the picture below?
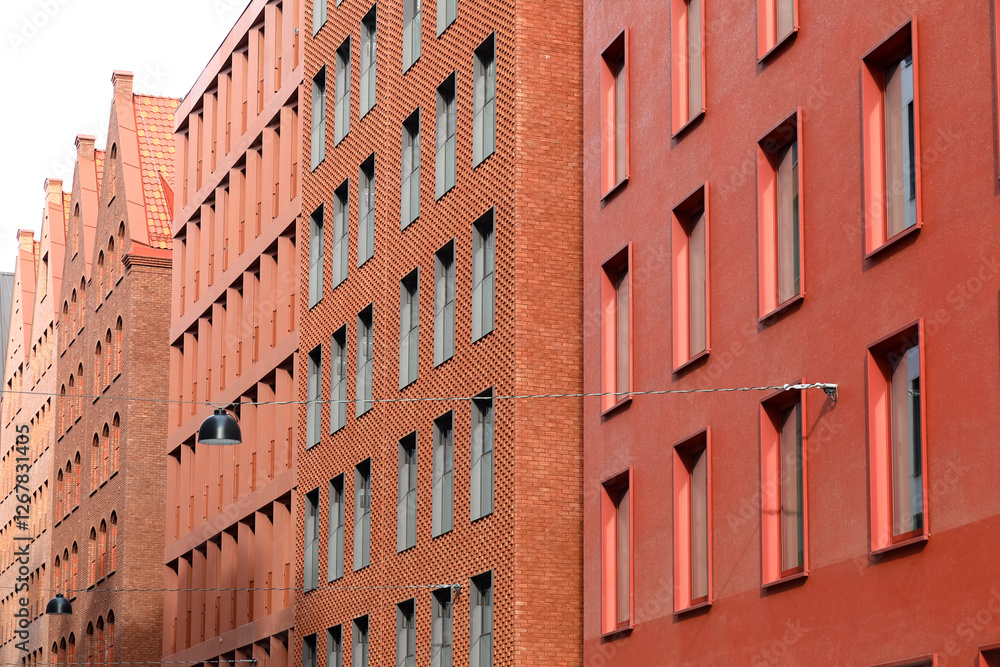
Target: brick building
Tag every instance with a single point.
(779, 192)
(460, 279)
(233, 342)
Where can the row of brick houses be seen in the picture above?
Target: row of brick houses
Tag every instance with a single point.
(456, 449)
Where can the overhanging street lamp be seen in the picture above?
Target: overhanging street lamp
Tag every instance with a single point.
(220, 429)
(59, 606)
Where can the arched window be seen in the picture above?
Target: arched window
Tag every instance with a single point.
(112, 264)
(116, 441)
(91, 645)
(55, 650)
(59, 496)
(109, 354)
(62, 413)
(102, 550)
(83, 301)
(100, 273)
(74, 579)
(100, 641)
(111, 171)
(118, 347)
(95, 463)
(98, 369)
(66, 574)
(79, 391)
(105, 453)
(111, 638)
(57, 575)
(71, 658)
(93, 556)
(69, 487)
(74, 232)
(113, 551)
(72, 399)
(62, 653)
(64, 324)
(79, 475)
(72, 314)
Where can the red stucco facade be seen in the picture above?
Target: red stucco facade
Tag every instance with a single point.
(866, 591)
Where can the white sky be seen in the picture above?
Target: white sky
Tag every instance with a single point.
(56, 61)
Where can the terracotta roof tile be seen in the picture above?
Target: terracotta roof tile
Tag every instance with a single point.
(154, 126)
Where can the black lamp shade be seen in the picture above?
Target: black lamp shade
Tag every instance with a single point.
(220, 429)
(59, 606)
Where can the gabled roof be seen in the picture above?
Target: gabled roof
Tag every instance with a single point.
(154, 130)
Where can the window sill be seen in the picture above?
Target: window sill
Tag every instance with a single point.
(476, 165)
(906, 233)
(899, 545)
(615, 188)
(439, 197)
(784, 580)
(617, 406)
(625, 629)
(782, 307)
(695, 607)
(693, 360)
(482, 336)
(439, 364)
(777, 45)
(480, 518)
(442, 534)
(690, 123)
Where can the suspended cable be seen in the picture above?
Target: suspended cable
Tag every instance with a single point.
(234, 590)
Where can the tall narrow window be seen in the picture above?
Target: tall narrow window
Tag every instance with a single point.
(335, 540)
(409, 328)
(616, 329)
(614, 114)
(897, 449)
(342, 99)
(441, 628)
(779, 217)
(687, 62)
(891, 139)
(341, 232)
(444, 474)
(481, 491)
(335, 647)
(444, 303)
(309, 651)
(616, 552)
(314, 380)
(310, 571)
(776, 21)
(481, 621)
(369, 33)
(338, 380)
(410, 184)
(359, 643)
(692, 522)
(783, 487)
(690, 277)
(445, 136)
(319, 15)
(406, 634)
(412, 28)
(484, 109)
(365, 363)
(447, 12)
(366, 210)
(483, 284)
(406, 503)
(362, 514)
(318, 135)
(316, 256)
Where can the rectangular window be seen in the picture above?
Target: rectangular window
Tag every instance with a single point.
(776, 21)
(616, 552)
(891, 138)
(314, 380)
(484, 110)
(319, 15)
(483, 284)
(441, 628)
(779, 216)
(692, 522)
(616, 329)
(316, 256)
(687, 60)
(482, 455)
(335, 647)
(406, 634)
(409, 196)
(342, 95)
(409, 328)
(318, 136)
(444, 303)
(309, 651)
(896, 447)
(365, 363)
(614, 114)
(338, 380)
(335, 538)
(359, 643)
(406, 502)
(690, 278)
(989, 656)
(362, 514)
(341, 231)
(782, 487)
(366, 210)
(481, 621)
(368, 41)
(447, 13)
(445, 150)
(310, 571)
(444, 474)
(412, 32)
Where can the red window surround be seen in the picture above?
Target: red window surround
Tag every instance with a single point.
(614, 114)
(687, 63)
(777, 22)
(616, 329)
(692, 476)
(989, 655)
(885, 182)
(617, 599)
(780, 215)
(923, 661)
(691, 278)
(783, 487)
(897, 439)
